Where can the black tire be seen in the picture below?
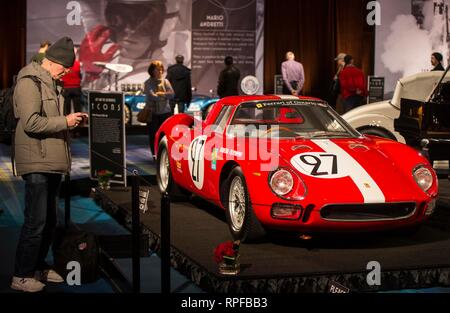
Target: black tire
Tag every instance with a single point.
(251, 229)
(176, 193)
(376, 131)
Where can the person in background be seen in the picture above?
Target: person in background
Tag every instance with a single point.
(293, 75)
(38, 57)
(72, 88)
(335, 91)
(179, 77)
(42, 156)
(158, 93)
(436, 62)
(353, 84)
(228, 79)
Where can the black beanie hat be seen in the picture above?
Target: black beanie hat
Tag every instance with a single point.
(438, 56)
(62, 52)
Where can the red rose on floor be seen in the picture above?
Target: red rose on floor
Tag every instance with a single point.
(229, 249)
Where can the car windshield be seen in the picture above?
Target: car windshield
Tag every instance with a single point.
(288, 119)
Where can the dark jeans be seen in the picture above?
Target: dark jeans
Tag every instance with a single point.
(41, 192)
(154, 125)
(72, 94)
(353, 102)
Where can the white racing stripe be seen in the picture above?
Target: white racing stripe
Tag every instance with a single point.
(365, 183)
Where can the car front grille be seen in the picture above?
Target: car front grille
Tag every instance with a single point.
(368, 212)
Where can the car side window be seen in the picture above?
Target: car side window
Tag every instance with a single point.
(223, 117)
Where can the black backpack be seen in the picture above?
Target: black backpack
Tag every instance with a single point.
(8, 122)
(75, 245)
(7, 119)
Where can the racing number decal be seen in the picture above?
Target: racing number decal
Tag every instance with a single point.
(196, 159)
(320, 165)
(316, 163)
(334, 162)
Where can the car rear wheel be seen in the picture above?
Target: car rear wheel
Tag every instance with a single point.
(241, 219)
(164, 176)
(163, 171)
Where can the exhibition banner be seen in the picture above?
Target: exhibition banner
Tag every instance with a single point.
(134, 33)
(220, 29)
(107, 135)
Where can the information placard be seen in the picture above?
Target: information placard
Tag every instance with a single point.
(107, 134)
(278, 84)
(376, 89)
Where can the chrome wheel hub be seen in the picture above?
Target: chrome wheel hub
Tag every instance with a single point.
(236, 204)
(164, 170)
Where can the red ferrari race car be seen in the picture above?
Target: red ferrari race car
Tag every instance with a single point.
(290, 163)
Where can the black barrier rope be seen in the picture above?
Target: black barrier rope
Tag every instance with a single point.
(134, 172)
(224, 202)
(165, 243)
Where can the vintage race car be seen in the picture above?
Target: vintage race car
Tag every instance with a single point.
(290, 163)
(378, 118)
(201, 103)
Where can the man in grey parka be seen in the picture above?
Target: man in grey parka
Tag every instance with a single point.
(41, 156)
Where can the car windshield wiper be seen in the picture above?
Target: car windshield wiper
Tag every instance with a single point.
(324, 134)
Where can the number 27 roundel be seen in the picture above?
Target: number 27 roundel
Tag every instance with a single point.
(196, 160)
(319, 165)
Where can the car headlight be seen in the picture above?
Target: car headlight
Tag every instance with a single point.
(281, 182)
(423, 177)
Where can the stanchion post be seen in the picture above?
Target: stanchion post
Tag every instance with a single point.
(165, 243)
(67, 197)
(136, 234)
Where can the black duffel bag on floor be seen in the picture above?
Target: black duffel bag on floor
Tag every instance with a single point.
(80, 246)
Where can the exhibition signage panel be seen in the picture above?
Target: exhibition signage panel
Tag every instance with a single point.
(221, 29)
(278, 84)
(376, 89)
(107, 135)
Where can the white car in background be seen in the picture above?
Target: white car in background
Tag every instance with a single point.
(378, 118)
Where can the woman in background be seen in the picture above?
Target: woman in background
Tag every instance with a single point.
(158, 93)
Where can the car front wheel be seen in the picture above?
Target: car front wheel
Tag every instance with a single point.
(242, 222)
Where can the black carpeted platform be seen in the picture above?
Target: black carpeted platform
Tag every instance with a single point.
(286, 264)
